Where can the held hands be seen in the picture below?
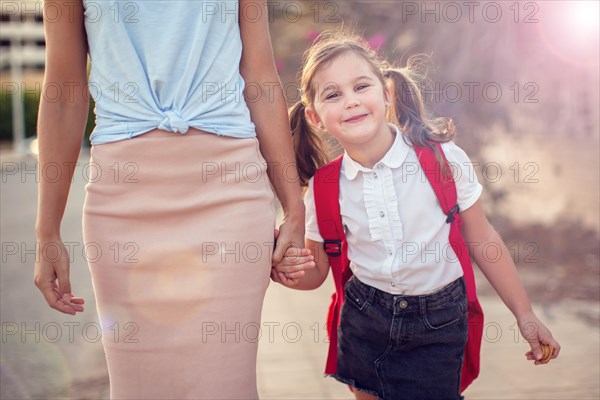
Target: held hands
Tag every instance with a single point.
(52, 262)
(536, 333)
(291, 268)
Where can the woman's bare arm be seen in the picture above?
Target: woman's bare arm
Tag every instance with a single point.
(61, 119)
(268, 109)
(61, 126)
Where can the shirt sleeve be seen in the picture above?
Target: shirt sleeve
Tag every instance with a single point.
(468, 188)
(311, 227)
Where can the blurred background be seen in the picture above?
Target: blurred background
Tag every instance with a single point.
(520, 79)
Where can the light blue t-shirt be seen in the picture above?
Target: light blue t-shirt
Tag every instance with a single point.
(168, 64)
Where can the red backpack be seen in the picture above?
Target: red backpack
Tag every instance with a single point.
(326, 194)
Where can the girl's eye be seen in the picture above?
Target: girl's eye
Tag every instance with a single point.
(331, 96)
(360, 87)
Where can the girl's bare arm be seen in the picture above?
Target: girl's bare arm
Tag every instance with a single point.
(502, 274)
(500, 271)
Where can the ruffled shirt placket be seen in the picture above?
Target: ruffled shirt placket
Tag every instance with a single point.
(381, 204)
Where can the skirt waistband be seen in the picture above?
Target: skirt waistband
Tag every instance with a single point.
(452, 292)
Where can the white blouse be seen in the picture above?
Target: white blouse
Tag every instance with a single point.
(396, 230)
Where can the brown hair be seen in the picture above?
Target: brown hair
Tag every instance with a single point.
(407, 108)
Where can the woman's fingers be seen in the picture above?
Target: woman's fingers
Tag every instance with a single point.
(68, 301)
(274, 276)
(77, 300)
(53, 299)
(51, 277)
(286, 280)
(297, 252)
(51, 294)
(295, 275)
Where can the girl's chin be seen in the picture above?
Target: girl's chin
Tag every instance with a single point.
(359, 135)
(355, 140)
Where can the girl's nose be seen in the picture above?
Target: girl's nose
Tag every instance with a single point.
(352, 102)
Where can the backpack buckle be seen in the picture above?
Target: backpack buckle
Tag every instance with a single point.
(450, 215)
(333, 247)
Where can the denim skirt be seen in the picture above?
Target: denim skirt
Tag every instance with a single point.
(403, 347)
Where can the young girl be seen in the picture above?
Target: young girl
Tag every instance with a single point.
(403, 324)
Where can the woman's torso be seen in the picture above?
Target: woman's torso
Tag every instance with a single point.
(167, 64)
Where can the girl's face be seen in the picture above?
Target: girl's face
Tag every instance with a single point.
(350, 101)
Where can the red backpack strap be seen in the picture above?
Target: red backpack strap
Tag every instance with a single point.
(445, 189)
(326, 187)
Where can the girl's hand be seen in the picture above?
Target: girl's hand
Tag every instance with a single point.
(295, 261)
(535, 332)
(52, 262)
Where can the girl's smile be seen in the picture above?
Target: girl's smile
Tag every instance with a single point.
(356, 118)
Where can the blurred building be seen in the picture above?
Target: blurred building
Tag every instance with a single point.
(22, 56)
(21, 35)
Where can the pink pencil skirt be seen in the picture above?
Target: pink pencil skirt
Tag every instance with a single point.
(178, 231)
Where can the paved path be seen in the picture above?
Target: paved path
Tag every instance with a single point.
(290, 370)
(49, 362)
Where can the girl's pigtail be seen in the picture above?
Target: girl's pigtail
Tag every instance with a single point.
(310, 149)
(407, 110)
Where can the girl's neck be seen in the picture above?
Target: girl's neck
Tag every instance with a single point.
(370, 153)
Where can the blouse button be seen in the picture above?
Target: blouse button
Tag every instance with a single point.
(381, 214)
(375, 175)
(390, 252)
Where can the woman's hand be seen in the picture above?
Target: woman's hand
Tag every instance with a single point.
(52, 262)
(291, 268)
(536, 333)
(290, 234)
